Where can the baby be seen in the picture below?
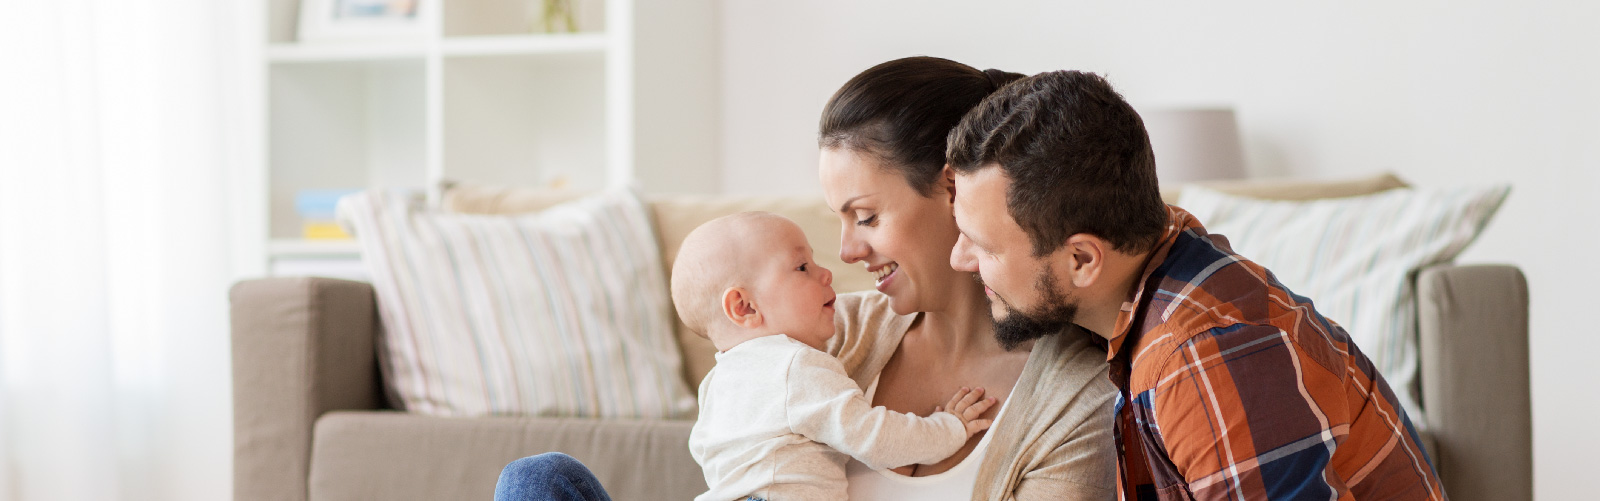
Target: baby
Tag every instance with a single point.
(777, 410)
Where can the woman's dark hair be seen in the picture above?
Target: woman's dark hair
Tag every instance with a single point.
(902, 111)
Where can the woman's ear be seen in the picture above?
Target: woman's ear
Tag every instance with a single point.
(947, 181)
(740, 308)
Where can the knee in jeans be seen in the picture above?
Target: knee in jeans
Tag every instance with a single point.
(551, 475)
(547, 465)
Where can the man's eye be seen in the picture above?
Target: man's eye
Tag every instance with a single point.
(868, 221)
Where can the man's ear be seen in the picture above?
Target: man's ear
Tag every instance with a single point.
(947, 180)
(1082, 259)
(740, 308)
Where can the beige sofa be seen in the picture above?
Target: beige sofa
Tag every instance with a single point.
(311, 420)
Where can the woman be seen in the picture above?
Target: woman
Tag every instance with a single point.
(927, 330)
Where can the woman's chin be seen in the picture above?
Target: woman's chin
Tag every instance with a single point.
(902, 304)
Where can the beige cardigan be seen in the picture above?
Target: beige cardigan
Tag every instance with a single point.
(1055, 442)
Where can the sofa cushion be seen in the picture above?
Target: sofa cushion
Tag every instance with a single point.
(393, 455)
(558, 313)
(1356, 257)
(674, 218)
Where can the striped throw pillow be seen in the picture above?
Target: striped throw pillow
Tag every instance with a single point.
(1355, 257)
(564, 312)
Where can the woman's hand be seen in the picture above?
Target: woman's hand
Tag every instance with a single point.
(967, 404)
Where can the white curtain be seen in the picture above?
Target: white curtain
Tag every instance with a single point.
(114, 250)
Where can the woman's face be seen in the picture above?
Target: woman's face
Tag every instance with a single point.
(902, 237)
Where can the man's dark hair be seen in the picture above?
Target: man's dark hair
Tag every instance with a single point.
(1077, 156)
(902, 111)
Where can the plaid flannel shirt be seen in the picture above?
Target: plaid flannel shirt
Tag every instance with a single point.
(1232, 387)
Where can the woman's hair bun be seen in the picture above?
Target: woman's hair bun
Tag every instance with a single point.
(999, 78)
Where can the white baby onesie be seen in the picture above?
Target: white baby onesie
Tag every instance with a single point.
(777, 418)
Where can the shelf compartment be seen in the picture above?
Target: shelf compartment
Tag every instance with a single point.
(525, 120)
(342, 126)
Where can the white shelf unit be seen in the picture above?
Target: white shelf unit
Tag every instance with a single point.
(629, 98)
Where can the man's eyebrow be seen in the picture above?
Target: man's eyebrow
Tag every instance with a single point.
(845, 207)
(969, 236)
(971, 239)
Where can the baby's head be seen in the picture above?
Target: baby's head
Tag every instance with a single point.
(750, 275)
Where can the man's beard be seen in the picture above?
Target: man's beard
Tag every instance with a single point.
(1052, 316)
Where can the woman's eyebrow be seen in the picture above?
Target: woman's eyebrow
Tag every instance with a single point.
(845, 207)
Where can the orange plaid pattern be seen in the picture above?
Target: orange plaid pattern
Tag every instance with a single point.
(1232, 387)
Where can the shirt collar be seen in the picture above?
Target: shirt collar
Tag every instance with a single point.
(1178, 221)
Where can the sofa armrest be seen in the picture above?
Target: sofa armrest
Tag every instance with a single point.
(301, 347)
(1473, 327)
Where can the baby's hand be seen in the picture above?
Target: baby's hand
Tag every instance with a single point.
(968, 404)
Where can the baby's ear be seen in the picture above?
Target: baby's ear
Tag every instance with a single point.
(740, 308)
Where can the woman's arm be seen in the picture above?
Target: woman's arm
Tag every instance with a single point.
(1076, 469)
(1072, 457)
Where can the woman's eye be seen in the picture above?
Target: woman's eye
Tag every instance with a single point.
(868, 221)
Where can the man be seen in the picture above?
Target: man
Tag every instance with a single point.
(1231, 386)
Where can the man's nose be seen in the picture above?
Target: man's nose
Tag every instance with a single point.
(961, 255)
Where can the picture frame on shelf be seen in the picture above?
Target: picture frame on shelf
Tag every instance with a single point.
(364, 20)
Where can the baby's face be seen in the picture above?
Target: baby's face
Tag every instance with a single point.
(793, 293)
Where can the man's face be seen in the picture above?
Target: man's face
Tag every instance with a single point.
(1026, 298)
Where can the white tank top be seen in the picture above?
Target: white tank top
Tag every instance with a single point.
(867, 484)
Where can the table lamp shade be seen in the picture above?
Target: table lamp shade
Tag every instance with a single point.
(1194, 144)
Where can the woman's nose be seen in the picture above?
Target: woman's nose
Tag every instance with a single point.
(851, 248)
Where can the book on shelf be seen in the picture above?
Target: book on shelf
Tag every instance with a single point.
(317, 209)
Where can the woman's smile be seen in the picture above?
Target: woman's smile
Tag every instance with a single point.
(884, 275)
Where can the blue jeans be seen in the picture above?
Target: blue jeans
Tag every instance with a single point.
(548, 476)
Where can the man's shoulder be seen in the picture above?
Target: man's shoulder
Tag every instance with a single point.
(1193, 346)
(1208, 296)
(1227, 315)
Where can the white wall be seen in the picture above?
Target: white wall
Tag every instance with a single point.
(1438, 92)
